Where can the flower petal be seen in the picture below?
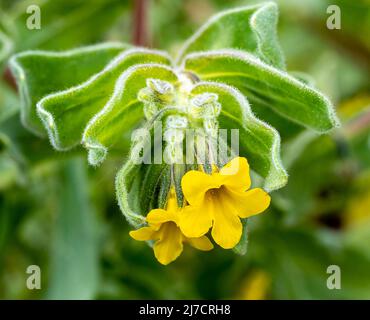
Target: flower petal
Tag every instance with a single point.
(235, 174)
(195, 184)
(249, 203)
(202, 243)
(227, 228)
(169, 246)
(156, 217)
(195, 221)
(143, 234)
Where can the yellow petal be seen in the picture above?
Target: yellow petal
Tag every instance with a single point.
(195, 184)
(202, 243)
(235, 174)
(227, 228)
(156, 217)
(195, 221)
(143, 234)
(248, 203)
(172, 201)
(169, 246)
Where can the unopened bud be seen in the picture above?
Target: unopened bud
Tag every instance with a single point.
(155, 95)
(205, 105)
(159, 86)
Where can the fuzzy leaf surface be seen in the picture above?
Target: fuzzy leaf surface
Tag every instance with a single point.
(250, 28)
(265, 85)
(39, 73)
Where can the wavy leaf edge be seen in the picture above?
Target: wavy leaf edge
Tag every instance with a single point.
(260, 9)
(18, 72)
(250, 58)
(48, 119)
(95, 146)
(248, 115)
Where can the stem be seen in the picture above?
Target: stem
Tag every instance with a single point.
(140, 26)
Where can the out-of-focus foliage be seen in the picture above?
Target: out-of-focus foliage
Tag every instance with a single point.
(58, 214)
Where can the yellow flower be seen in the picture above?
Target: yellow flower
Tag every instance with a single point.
(219, 200)
(163, 228)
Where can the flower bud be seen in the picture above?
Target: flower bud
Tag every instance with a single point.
(155, 95)
(205, 105)
(159, 86)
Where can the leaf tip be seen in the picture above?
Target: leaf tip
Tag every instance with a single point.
(96, 153)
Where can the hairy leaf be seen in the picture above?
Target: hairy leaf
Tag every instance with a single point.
(154, 176)
(74, 255)
(242, 247)
(149, 181)
(258, 142)
(265, 85)
(251, 28)
(39, 73)
(122, 113)
(124, 183)
(66, 113)
(65, 24)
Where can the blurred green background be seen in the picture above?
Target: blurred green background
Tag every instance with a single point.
(60, 214)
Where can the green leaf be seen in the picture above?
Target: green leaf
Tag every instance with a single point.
(258, 142)
(152, 181)
(65, 24)
(66, 113)
(286, 128)
(242, 247)
(164, 188)
(74, 255)
(122, 112)
(39, 73)
(155, 175)
(265, 85)
(178, 172)
(124, 183)
(251, 28)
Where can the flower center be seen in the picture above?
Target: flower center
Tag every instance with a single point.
(214, 194)
(168, 227)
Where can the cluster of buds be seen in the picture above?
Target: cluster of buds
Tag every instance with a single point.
(198, 112)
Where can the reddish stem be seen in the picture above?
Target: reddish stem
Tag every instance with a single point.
(140, 23)
(9, 79)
